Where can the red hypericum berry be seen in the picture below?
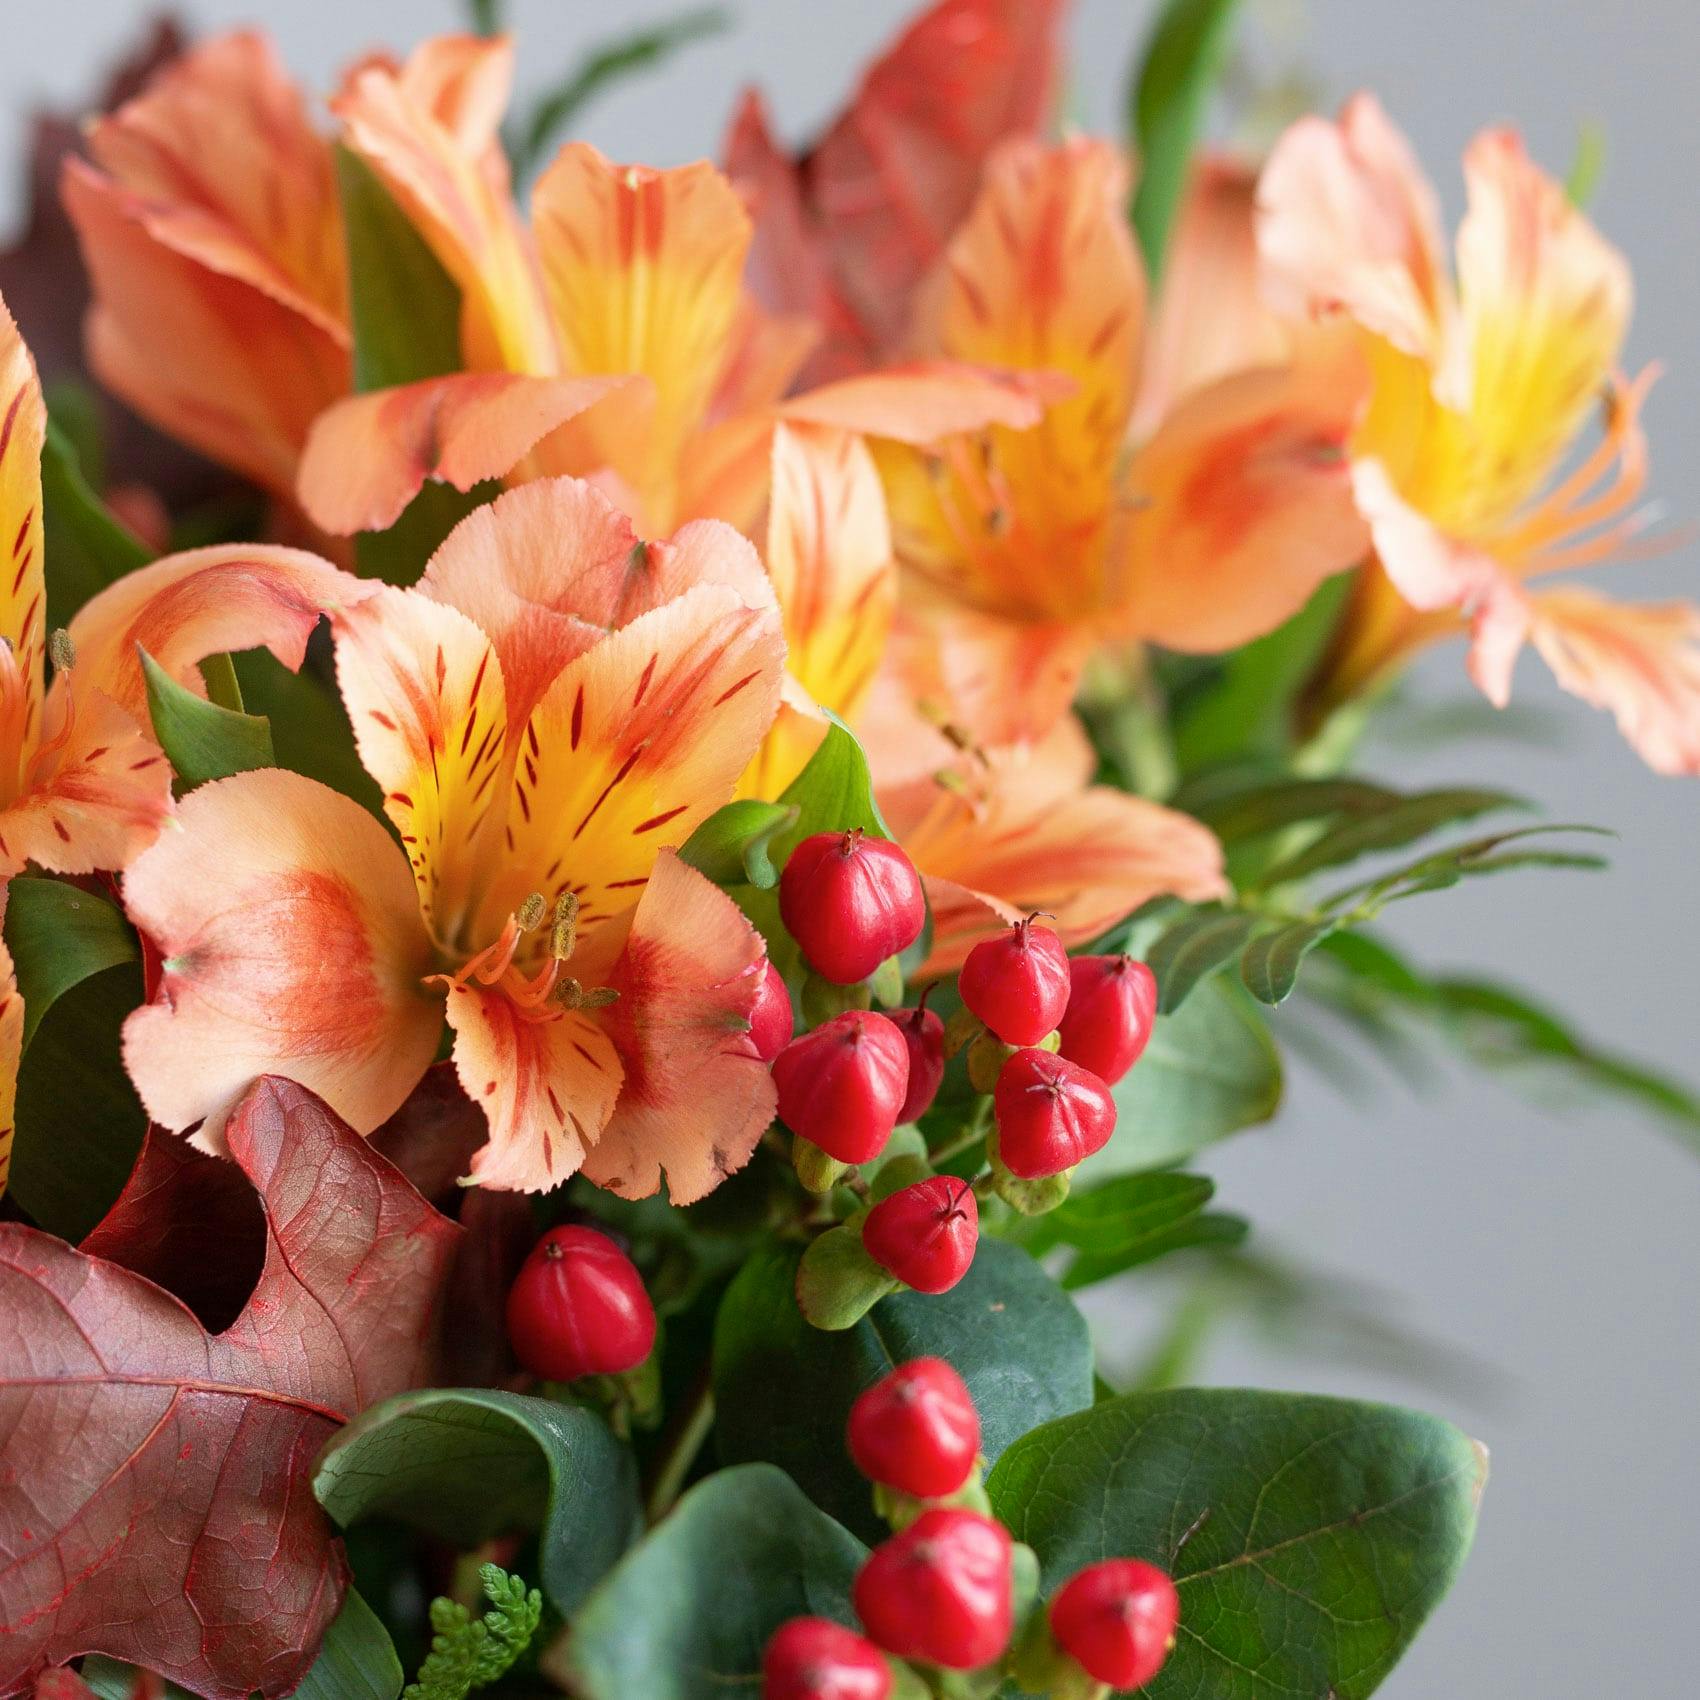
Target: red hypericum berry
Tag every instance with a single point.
(916, 1430)
(1051, 1114)
(1017, 983)
(850, 901)
(811, 1658)
(841, 1086)
(923, 1033)
(577, 1307)
(1112, 1003)
(940, 1591)
(1117, 1620)
(925, 1234)
(771, 1023)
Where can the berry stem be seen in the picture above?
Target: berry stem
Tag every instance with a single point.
(679, 1448)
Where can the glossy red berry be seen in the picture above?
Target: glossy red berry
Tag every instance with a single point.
(578, 1307)
(1051, 1114)
(1017, 983)
(1112, 1003)
(811, 1658)
(850, 901)
(916, 1430)
(940, 1591)
(925, 1234)
(771, 1023)
(1117, 1620)
(923, 1033)
(841, 1087)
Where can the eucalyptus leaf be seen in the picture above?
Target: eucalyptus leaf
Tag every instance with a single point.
(58, 935)
(202, 740)
(468, 1464)
(1309, 1538)
(1194, 947)
(783, 1390)
(686, 1614)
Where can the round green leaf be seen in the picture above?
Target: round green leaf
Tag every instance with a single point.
(783, 1390)
(686, 1614)
(1309, 1537)
(467, 1464)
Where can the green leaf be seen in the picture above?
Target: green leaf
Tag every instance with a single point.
(1309, 1538)
(1588, 166)
(88, 548)
(1183, 58)
(1269, 965)
(1250, 811)
(686, 1614)
(466, 1465)
(59, 935)
(1402, 822)
(1214, 1228)
(783, 1390)
(310, 729)
(79, 1124)
(603, 66)
(111, 1679)
(731, 846)
(356, 1659)
(202, 740)
(1193, 947)
(1210, 1069)
(1442, 868)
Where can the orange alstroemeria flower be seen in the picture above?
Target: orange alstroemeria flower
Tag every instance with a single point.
(614, 339)
(83, 786)
(995, 835)
(1025, 550)
(1483, 383)
(211, 229)
(845, 232)
(551, 708)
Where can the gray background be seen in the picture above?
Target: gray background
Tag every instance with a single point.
(1557, 1245)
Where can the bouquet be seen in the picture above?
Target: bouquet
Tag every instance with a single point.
(574, 1015)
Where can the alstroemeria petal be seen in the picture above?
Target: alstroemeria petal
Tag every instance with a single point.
(426, 698)
(696, 1097)
(369, 456)
(1641, 662)
(96, 793)
(186, 607)
(638, 740)
(290, 944)
(925, 401)
(429, 131)
(1005, 846)
(23, 597)
(1241, 505)
(644, 272)
(545, 1079)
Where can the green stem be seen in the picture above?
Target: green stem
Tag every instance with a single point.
(972, 1133)
(684, 1440)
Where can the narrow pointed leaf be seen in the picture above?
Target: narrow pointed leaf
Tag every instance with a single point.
(87, 546)
(1193, 948)
(1269, 965)
(202, 740)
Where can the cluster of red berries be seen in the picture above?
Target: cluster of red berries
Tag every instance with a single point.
(941, 1592)
(578, 1307)
(1056, 1034)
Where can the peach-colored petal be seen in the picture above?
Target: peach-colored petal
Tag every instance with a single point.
(95, 794)
(546, 1080)
(637, 741)
(696, 1097)
(1241, 505)
(1346, 220)
(369, 456)
(231, 174)
(428, 130)
(425, 695)
(1640, 662)
(261, 371)
(1008, 841)
(23, 596)
(1210, 318)
(547, 569)
(926, 401)
(186, 607)
(644, 270)
(11, 1049)
(290, 944)
(1546, 303)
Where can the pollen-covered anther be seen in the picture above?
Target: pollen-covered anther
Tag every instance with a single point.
(61, 651)
(529, 915)
(564, 936)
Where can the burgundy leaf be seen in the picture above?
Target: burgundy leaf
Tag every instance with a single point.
(155, 1496)
(434, 1134)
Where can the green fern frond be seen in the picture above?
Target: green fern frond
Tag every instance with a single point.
(468, 1653)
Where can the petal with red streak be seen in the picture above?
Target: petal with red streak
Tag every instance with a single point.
(23, 597)
(290, 944)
